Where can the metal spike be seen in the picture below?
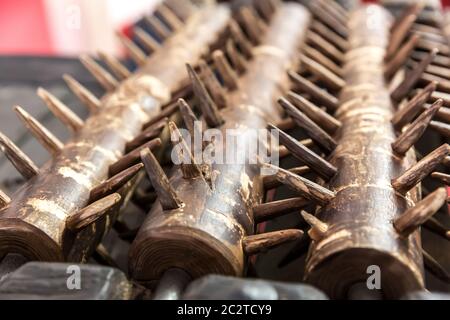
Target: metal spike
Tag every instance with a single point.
(239, 37)
(322, 96)
(305, 187)
(325, 47)
(188, 116)
(92, 213)
(18, 159)
(415, 131)
(262, 242)
(306, 155)
(45, 137)
(328, 18)
(271, 182)
(146, 40)
(318, 228)
(119, 70)
(4, 199)
(237, 60)
(85, 96)
(400, 57)
(310, 127)
(106, 80)
(169, 17)
(420, 170)
(329, 78)
(329, 35)
(322, 59)
(213, 85)
(251, 24)
(167, 196)
(435, 268)
(444, 178)
(228, 75)
(271, 210)
(138, 56)
(149, 133)
(132, 157)
(319, 116)
(441, 127)
(61, 111)
(114, 183)
(158, 27)
(209, 108)
(414, 217)
(413, 107)
(412, 77)
(188, 166)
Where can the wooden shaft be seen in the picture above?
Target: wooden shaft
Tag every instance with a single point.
(33, 224)
(360, 231)
(205, 235)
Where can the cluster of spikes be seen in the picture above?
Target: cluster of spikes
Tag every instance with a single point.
(314, 99)
(168, 18)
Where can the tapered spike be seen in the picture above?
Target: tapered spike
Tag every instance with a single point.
(18, 159)
(262, 242)
(318, 228)
(146, 40)
(238, 36)
(305, 187)
(45, 137)
(166, 194)
(420, 170)
(319, 116)
(322, 59)
(320, 95)
(213, 85)
(413, 9)
(306, 155)
(325, 47)
(149, 133)
(415, 131)
(169, 17)
(435, 268)
(329, 78)
(119, 70)
(228, 75)
(138, 56)
(399, 34)
(132, 157)
(271, 210)
(209, 108)
(414, 217)
(188, 166)
(158, 27)
(328, 19)
(310, 127)
(61, 111)
(398, 60)
(188, 116)
(443, 177)
(4, 199)
(114, 183)
(441, 127)
(413, 107)
(106, 80)
(237, 60)
(92, 213)
(438, 228)
(271, 182)
(412, 77)
(336, 10)
(329, 35)
(103, 257)
(165, 113)
(251, 24)
(85, 96)
(443, 113)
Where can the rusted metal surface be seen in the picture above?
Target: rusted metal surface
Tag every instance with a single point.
(33, 224)
(360, 217)
(205, 235)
